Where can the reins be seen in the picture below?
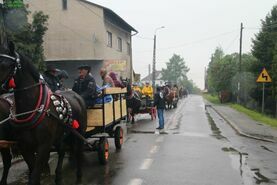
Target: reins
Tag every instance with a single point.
(39, 108)
(28, 87)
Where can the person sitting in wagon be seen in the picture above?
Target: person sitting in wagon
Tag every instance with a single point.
(147, 90)
(136, 87)
(116, 82)
(85, 85)
(50, 77)
(107, 80)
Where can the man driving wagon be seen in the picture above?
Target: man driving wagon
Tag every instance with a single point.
(147, 92)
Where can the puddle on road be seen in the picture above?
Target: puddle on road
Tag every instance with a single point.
(190, 134)
(142, 132)
(259, 177)
(249, 176)
(216, 131)
(267, 149)
(238, 159)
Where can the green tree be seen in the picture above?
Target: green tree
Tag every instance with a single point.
(265, 42)
(223, 72)
(176, 69)
(215, 71)
(264, 49)
(274, 78)
(29, 39)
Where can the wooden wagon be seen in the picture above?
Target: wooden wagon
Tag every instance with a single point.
(148, 107)
(105, 121)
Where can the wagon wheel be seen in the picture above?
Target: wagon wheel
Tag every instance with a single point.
(118, 137)
(103, 151)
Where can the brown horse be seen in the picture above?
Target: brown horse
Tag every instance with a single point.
(171, 97)
(37, 117)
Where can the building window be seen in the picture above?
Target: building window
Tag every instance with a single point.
(110, 39)
(128, 48)
(64, 4)
(119, 44)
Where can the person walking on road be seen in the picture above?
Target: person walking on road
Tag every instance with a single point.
(159, 103)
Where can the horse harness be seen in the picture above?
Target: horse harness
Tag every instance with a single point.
(63, 110)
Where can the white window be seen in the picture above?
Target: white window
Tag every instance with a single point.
(119, 44)
(110, 39)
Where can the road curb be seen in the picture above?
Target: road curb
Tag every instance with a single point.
(239, 131)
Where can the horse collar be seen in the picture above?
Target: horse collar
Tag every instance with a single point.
(36, 115)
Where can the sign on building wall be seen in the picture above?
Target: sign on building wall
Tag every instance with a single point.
(117, 66)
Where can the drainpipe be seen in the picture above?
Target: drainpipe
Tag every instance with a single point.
(131, 56)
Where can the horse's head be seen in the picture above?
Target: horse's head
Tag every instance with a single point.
(9, 63)
(19, 67)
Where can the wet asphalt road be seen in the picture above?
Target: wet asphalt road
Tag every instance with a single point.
(198, 148)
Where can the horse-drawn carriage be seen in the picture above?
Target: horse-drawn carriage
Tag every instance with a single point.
(105, 121)
(147, 107)
(57, 117)
(140, 104)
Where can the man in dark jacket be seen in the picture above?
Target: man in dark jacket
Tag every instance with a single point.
(85, 85)
(159, 102)
(51, 79)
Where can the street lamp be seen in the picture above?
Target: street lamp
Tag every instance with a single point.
(154, 58)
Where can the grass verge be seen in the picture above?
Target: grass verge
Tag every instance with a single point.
(211, 98)
(255, 115)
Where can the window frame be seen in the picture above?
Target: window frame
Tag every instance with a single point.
(109, 39)
(119, 44)
(128, 48)
(64, 4)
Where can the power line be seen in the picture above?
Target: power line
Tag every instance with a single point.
(201, 40)
(231, 43)
(195, 42)
(273, 25)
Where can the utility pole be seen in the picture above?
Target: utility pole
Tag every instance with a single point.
(154, 60)
(149, 70)
(240, 48)
(154, 64)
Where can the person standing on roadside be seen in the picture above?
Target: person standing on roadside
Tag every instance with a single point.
(159, 103)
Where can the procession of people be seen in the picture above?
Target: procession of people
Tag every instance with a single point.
(164, 97)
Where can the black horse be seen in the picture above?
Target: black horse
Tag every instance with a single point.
(40, 124)
(133, 101)
(5, 134)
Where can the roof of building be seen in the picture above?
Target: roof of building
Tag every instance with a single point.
(112, 17)
(158, 75)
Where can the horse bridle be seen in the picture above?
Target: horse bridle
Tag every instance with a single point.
(17, 65)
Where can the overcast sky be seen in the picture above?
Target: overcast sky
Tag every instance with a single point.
(193, 29)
